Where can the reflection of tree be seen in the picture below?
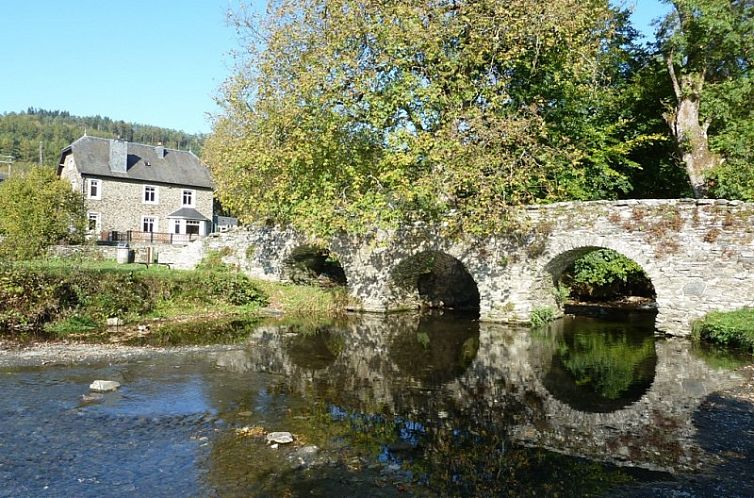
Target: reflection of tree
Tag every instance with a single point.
(600, 366)
(213, 331)
(438, 351)
(314, 350)
(608, 363)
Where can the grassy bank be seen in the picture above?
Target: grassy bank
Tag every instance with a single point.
(59, 297)
(728, 329)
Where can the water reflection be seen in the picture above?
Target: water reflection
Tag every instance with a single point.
(438, 350)
(395, 405)
(599, 365)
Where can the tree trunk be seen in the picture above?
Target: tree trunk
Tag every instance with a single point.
(691, 135)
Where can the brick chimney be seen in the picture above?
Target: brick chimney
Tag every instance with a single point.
(160, 150)
(118, 156)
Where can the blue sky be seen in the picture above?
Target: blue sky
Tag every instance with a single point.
(157, 62)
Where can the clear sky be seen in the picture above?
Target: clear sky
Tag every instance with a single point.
(157, 62)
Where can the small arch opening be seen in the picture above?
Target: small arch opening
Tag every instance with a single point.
(441, 281)
(312, 265)
(597, 280)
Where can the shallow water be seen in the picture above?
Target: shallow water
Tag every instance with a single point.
(394, 405)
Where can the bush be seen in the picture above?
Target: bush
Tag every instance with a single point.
(38, 210)
(605, 274)
(541, 316)
(731, 328)
(31, 297)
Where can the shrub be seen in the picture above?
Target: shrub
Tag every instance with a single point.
(541, 316)
(732, 328)
(38, 210)
(606, 274)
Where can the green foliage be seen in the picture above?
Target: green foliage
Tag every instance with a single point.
(213, 260)
(710, 48)
(33, 296)
(729, 329)
(21, 134)
(609, 363)
(733, 180)
(561, 293)
(363, 114)
(541, 316)
(606, 274)
(36, 211)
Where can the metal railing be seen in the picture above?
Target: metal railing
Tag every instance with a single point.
(135, 237)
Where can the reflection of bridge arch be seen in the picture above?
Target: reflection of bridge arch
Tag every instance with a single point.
(597, 366)
(500, 389)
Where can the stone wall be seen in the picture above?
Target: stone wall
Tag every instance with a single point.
(699, 255)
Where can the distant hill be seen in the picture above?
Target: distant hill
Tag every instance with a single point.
(21, 134)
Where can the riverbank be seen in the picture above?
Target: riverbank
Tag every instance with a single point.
(60, 299)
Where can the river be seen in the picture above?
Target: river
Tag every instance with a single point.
(378, 405)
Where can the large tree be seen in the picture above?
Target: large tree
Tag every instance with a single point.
(349, 114)
(37, 210)
(708, 47)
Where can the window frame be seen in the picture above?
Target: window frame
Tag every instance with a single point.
(97, 218)
(97, 184)
(154, 223)
(193, 223)
(192, 198)
(155, 194)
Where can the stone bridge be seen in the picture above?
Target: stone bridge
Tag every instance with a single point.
(698, 254)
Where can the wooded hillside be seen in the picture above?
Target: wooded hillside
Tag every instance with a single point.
(22, 133)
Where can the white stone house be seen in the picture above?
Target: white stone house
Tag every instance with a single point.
(139, 193)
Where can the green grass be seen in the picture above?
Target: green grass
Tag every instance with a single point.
(69, 297)
(304, 300)
(730, 329)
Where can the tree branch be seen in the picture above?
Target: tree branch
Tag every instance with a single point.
(673, 78)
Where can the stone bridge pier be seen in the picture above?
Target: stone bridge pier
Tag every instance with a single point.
(698, 254)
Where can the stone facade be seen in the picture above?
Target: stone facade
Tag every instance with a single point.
(122, 207)
(699, 255)
(119, 203)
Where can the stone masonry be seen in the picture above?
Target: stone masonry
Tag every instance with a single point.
(699, 255)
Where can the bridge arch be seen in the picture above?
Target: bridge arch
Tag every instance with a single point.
(435, 279)
(562, 252)
(307, 263)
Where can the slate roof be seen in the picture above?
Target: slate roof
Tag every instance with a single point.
(92, 156)
(188, 214)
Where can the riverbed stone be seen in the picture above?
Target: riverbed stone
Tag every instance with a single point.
(104, 386)
(279, 437)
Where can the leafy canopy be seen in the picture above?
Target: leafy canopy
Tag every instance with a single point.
(711, 43)
(349, 114)
(37, 210)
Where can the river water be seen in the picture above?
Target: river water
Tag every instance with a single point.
(379, 406)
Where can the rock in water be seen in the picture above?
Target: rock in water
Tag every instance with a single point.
(102, 386)
(279, 437)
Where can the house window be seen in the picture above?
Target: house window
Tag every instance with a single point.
(93, 223)
(148, 224)
(192, 227)
(177, 226)
(93, 189)
(188, 198)
(150, 195)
